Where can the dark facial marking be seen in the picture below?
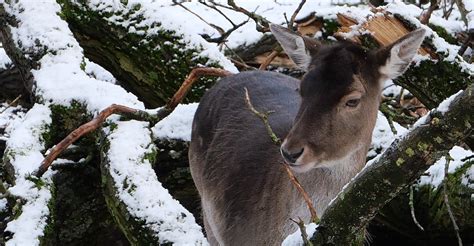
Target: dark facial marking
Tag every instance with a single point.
(331, 73)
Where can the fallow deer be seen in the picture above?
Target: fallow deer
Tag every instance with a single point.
(327, 120)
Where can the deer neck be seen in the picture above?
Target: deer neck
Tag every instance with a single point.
(323, 184)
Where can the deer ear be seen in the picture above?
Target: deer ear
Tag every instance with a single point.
(399, 55)
(297, 47)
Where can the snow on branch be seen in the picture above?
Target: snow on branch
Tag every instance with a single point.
(39, 40)
(397, 168)
(22, 156)
(146, 210)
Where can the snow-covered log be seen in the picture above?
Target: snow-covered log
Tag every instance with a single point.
(143, 45)
(145, 211)
(66, 94)
(396, 169)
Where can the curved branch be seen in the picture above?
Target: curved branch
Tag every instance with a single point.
(129, 113)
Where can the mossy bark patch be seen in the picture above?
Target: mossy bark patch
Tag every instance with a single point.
(152, 66)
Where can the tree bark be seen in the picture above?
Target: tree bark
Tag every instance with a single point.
(397, 168)
(152, 68)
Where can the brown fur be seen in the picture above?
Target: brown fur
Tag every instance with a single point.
(247, 198)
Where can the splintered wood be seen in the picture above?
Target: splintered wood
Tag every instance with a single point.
(385, 29)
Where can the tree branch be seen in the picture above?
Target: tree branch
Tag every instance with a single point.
(277, 141)
(129, 113)
(395, 170)
(293, 16)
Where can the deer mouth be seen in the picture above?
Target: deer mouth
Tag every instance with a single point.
(302, 167)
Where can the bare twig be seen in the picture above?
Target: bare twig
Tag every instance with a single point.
(262, 23)
(129, 113)
(218, 29)
(239, 61)
(425, 17)
(304, 235)
(293, 16)
(446, 200)
(389, 116)
(462, 11)
(263, 117)
(412, 210)
(447, 12)
(297, 184)
(277, 141)
(467, 42)
(11, 103)
(214, 7)
(223, 34)
(269, 59)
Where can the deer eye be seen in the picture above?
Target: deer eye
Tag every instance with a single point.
(353, 102)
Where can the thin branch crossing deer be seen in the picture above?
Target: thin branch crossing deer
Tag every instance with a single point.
(326, 120)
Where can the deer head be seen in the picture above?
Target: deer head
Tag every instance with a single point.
(340, 95)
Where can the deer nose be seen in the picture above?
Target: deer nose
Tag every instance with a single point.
(290, 158)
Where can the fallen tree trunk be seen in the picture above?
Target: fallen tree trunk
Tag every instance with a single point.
(394, 171)
(147, 58)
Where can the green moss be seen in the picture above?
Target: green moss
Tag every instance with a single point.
(151, 65)
(135, 230)
(400, 161)
(330, 27)
(368, 42)
(50, 228)
(435, 121)
(422, 146)
(39, 183)
(83, 64)
(443, 33)
(151, 156)
(64, 121)
(438, 140)
(440, 80)
(410, 152)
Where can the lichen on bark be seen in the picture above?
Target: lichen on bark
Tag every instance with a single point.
(152, 66)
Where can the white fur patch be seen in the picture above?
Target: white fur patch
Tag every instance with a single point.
(394, 66)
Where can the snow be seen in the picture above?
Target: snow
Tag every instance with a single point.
(3, 204)
(23, 150)
(4, 59)
(469, 5)
(443, 107)
(61, 79)
(450, 52)
(96, 71)
(295, 239)
(139, 189)
(178, 124)
(391, 89)
(435, 174)
(9, 114)
(468, 178)
(190, 27)
(162, 12)
(382, 135)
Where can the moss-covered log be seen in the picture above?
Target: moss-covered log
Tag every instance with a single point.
(142, 208)
(394, 222)
(146, 58)
(396, 169)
